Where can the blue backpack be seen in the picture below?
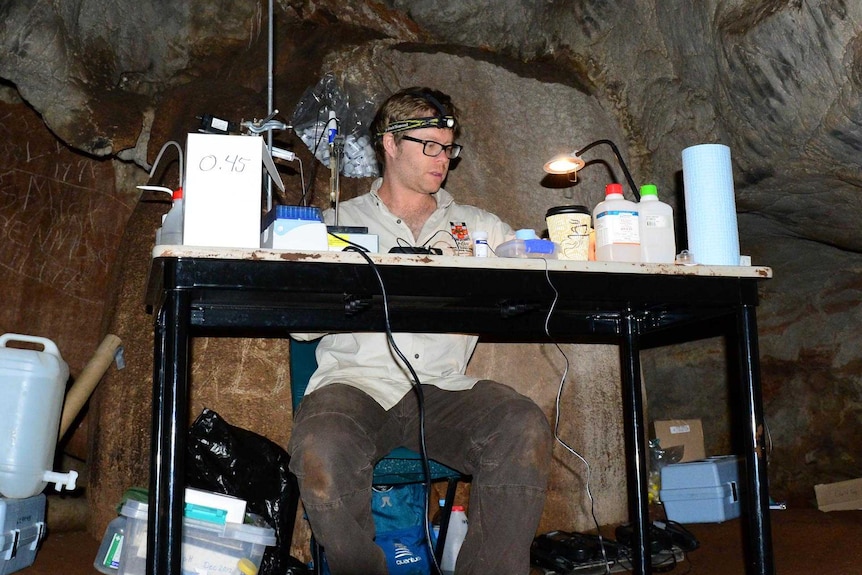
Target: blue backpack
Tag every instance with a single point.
(399, 520)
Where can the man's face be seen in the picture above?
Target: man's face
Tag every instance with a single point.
(408, 166)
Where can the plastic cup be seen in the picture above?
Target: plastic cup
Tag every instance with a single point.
(569, 227)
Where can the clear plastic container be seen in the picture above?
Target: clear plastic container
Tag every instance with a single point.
(657, 236)
(108, 556)
(527, 249)
(209, 548)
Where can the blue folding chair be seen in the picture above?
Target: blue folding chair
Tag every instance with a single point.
(399, 467)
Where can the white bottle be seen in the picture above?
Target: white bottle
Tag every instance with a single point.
(454, 538)
(480, 244)
(658, 240)
(172, 225)
(616, 223)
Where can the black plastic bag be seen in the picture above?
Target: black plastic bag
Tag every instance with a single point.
(233, 461)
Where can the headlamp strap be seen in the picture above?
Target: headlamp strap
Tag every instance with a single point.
(417, 123)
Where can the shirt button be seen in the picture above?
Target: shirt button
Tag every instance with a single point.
(416, 356)
(398, 221)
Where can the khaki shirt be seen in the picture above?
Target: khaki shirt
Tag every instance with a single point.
(365, 360)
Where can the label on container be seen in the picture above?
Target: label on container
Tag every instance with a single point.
(112, 555)
(617, 227)
(655, 220)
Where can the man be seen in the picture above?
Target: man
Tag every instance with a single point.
(359, 404)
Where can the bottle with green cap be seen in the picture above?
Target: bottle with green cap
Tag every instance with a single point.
(657, 237)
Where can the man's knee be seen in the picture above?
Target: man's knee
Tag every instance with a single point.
(329, 455)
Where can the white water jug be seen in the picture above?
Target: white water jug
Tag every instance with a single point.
(32, 387)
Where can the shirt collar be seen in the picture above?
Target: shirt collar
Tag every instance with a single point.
(444, 199)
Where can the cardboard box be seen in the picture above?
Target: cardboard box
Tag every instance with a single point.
(705, 491)
(687, 433)
(840, 496)
(23, 523)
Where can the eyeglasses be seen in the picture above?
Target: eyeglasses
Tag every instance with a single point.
(433, 149)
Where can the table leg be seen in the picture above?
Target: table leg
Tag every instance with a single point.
(756, 491)
(636, 474)
(168, 442)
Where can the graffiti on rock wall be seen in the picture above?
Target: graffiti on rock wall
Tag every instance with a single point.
(60, 218)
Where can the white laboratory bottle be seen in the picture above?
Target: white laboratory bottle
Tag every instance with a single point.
(172, 226)
(657, 237)
(616, 223)
(454, 538)
(480, 244)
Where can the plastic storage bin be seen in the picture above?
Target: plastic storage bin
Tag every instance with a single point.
(207, 548)
(703, 491)
(23, 522)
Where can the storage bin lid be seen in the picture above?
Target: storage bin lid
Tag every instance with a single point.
(238, 531)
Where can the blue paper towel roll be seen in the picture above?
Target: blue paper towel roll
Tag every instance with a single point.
(710, 205)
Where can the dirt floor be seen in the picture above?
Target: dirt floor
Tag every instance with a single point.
(805, 541)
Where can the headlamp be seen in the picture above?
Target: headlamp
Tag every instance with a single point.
(443, 122)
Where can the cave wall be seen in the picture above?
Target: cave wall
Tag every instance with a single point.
(87, 101)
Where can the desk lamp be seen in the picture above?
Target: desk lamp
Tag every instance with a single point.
(571, 163)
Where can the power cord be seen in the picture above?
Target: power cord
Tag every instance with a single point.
(557, 410)
(417, 389)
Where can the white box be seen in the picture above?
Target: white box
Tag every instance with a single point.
(234, 506)
(207, 548)
(223, 188)
(705, 491)
(23, 522)
(294, 228)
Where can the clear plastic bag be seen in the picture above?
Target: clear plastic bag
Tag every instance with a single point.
(659, 457)
(330, 109)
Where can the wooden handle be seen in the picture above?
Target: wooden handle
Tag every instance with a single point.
(84, 385)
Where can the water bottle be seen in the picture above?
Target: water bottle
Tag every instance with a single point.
(454, 538)
(617, 231)
(172, 225)
(655, 218)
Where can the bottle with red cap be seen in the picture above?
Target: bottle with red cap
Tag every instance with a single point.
(454, 538)
(172, 224)
(616, 223)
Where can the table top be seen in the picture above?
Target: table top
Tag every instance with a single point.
(168, 251)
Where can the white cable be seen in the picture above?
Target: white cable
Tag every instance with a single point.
(159, 157)
(557, 410)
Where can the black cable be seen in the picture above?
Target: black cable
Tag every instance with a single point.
(303, 200)
(417, 389)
